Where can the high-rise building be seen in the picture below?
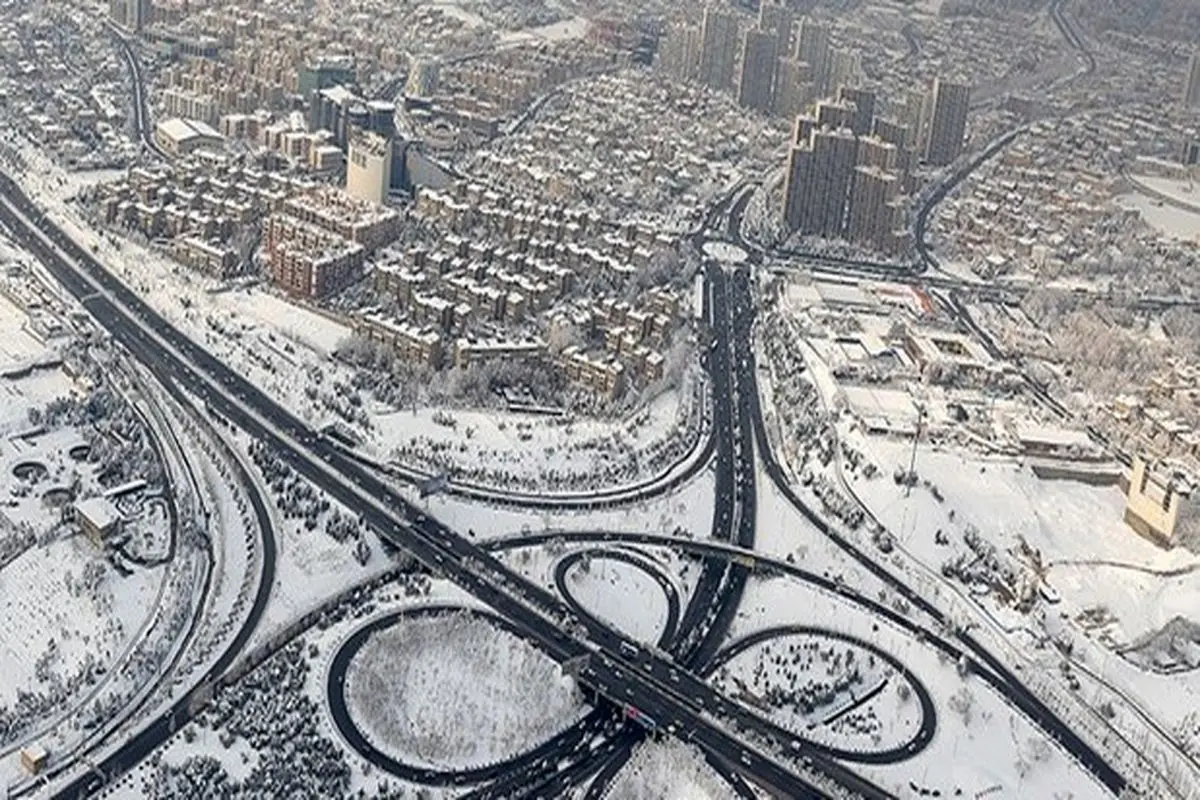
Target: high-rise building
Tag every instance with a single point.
(718, 48)
(869, 216)
(793, 87)
(422, 79)
(947, 124)
(1189, 152)
(777, 18)
(864, 108)
(1191, 92)
(874, 152)
(369, 168)
(818, 182)
(323, 73)
(679, 54)
(834, 114)
(133, 14)
(757, 76)
(812, 47)
(845, 69)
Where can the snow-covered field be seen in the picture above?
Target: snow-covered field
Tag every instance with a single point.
(1170, 221)
(455, 691)
(980, 741)
(621, 594)
(829, 691)
(667, 770)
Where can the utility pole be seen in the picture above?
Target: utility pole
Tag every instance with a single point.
(910, 476)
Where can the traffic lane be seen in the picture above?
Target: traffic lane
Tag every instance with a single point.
(429, 554)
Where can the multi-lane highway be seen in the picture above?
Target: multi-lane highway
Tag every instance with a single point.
(616, 667)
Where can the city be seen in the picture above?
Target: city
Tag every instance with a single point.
(545, 399)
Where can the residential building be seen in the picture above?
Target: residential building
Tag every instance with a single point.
(864, 108)
(869, 217)
(776, 18)
(1159, 505)
(793, 87)
(718, 48)
(1191, 90)
(755, 84)
(812, 47)
(949, 103)
(818, 182)
(369, 168)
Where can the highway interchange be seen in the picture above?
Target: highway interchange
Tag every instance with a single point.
(667, 681)
(665, 684)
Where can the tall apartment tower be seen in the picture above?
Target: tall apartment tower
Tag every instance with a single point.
(818, 182)
(1191, 92)
(834, 114)
(369, 168)
(757, 77)
(947, 124)
(812, 47)
(793, 87)
(776, 18)
(679, 55)
(869, 216)
(864, 108)
(133, 14)
(718, 48)
(845, 69)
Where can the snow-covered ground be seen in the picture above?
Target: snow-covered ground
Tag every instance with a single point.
(829, 691)
(667, 770)
(455, 692)
(566, 30)
(621, 594)
(1171, 221)
(980, 741)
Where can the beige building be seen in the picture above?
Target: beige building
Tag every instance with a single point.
(369, 168)
(180, 136)
(1159, 505)
(98, 518)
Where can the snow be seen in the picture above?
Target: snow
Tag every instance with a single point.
(453, 692)
(519, 451)
(574, 28)
(40, 608)
(827, 690)
(689, 507)
(1168, 220)
(17, 344)
(725, 252)
(622, 595)
(988, 743)
(667, 770)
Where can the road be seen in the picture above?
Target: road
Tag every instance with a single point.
(618, 668)
(141, 109)
(1008, 683)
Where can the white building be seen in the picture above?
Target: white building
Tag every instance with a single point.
(369, 168)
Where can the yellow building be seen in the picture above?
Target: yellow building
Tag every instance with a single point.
(1159, 504)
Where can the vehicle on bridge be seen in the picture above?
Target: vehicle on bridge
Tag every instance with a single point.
(641, 718)
(435, 485)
